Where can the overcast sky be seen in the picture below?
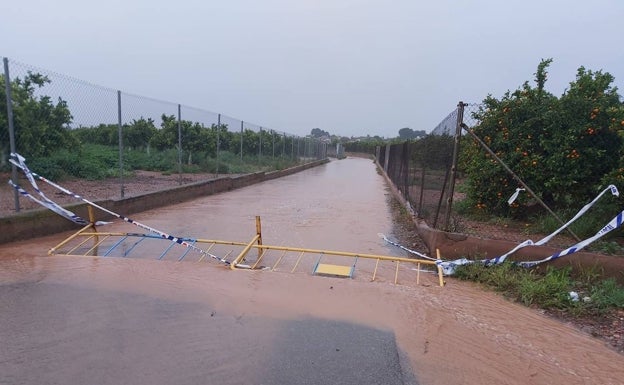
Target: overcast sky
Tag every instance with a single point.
(350, 67)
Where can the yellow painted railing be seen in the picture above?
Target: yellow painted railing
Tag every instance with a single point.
(78, 244)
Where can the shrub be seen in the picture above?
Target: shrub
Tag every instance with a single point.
(562, 147)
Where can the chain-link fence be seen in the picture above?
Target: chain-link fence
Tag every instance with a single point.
(68, 128)
(425, 170)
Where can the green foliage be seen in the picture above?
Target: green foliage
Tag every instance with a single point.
(167, 136)
(548, 291)
(138, 134)
(407, 133)
(605, 295)
(251, 142)
(585, 226)
(164, 161)
(103, 134)
(92, 162)
(199, 143)
(41, 125)
(608, 247)
(433, 151)
(561, 147)
(551, 289)
(318, 133)
(95, 161)
(366, 146)
(504, 278)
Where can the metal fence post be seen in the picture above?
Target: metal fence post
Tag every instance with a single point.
(179, 144)
(260, 148)
(453, 175)
(241, 140)
(386, 158)
(218, 142)
(121, 180)
(273, 139)
(9, 102)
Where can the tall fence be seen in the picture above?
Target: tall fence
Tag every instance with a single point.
(62, 125)
(425, 170)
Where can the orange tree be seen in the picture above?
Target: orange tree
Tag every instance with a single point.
(41, 124)
(563, 148)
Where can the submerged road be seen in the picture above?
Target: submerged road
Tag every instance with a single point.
(110, 321)
(138, 320)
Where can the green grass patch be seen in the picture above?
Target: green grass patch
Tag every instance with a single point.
(550, 289)
(94, 162)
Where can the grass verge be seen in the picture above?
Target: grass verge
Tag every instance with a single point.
(555, 289)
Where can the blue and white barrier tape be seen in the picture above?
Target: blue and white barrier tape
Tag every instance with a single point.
(421, 255)
(448, 267)
(612, 225)
(50, 205)
(514, 196)
(20, 162)
(500, 259)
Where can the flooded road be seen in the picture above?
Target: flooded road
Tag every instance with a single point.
(143, 321)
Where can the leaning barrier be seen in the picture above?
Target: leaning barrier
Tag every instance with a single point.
(88, 241)
(252, 255)
(91, 239)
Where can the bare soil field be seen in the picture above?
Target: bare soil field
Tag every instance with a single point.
(140, 183)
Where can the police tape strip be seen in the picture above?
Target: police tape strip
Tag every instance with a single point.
(612, 225)
(411, 251)
(448, 267)
(20, 162)
(500, 259)
(50, 205)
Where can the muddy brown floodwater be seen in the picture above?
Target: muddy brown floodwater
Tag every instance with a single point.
(143, 321)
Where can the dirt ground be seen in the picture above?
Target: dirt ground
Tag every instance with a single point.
(609, 328)
(140, 183)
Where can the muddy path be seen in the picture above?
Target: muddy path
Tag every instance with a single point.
(114, 320)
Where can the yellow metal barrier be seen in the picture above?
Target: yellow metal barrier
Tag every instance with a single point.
(89, 232)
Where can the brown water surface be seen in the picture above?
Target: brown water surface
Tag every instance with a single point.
(142, 321)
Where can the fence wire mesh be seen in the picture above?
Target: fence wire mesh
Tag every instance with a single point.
(118, 144)
(425, 170)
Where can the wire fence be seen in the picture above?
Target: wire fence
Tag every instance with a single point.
(425, 170)
(69, 128)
